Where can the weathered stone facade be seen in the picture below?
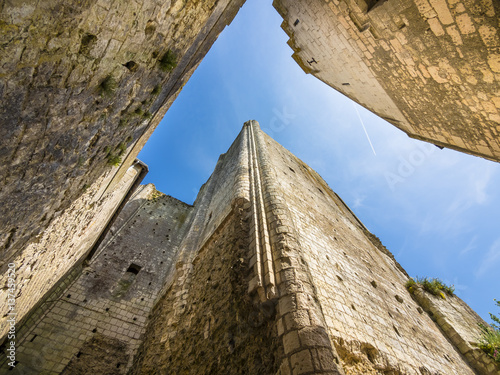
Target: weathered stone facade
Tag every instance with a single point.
(268, 273)
(431, 68)
(83, 84)
(100, 309)
(65, 243)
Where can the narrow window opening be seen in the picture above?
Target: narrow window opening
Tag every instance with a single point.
(131, 66)
(134, 269)
(296, 22)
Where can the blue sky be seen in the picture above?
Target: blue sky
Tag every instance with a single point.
(437, 211)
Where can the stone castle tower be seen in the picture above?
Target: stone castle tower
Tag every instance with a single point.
(269, 272)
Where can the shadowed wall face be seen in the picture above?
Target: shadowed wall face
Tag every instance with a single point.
(63, 246)
(83, 84)
(95, 324)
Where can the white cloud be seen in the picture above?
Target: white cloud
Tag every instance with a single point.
(358, 201)
(490, 259)
(472, 245)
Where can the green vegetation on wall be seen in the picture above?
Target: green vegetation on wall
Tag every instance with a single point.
(434, 286)
(168, 61)
(489, 341)
(108, 86)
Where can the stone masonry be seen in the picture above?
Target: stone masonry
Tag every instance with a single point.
(268, 273)
(300, 285)
(429, 67)
(277, 275)
(94, 324)
(83, 84)
(65, 243)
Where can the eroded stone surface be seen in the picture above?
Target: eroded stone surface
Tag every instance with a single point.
(94, 321)
(63, 245)
(82, 82)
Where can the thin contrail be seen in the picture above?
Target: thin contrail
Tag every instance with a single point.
(363, 125)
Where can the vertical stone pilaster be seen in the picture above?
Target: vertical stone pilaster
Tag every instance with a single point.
(300, 322)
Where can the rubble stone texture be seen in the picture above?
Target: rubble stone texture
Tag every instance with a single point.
(64, 244)
(81, 81)
(268, 273)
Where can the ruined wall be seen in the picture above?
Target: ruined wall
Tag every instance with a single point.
(95, 323)
(372, 319)
(336, 302)
(66, 242)
(268, 273)
(431, 68)
(459, 323)
(234, 269)
(83, 84)
(288, 267)
(206, 323)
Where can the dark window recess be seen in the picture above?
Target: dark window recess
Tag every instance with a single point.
(134, 269)
(367, 5)
(313, 61)
(131, 65)
(296, 22)
(346, 84)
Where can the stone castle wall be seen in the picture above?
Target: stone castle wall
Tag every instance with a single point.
(268, 272)
(431, 68)
(223, 306)
(64, 244)
(371, 318)
(95, 322)
(82, 85)
(289, 267)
